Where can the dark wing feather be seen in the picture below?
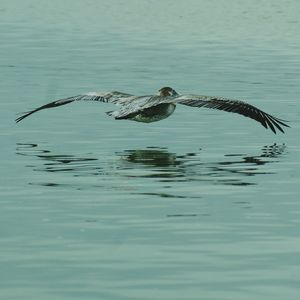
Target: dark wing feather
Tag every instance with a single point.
(235, 106)
(112, 97)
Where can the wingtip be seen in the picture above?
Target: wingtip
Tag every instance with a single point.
(17, 120)
(24, 115)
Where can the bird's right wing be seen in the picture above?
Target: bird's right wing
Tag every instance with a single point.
(115, 97)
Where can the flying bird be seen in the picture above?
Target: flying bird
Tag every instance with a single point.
(152, 108)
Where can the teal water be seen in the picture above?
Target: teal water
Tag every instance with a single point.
(202, 205)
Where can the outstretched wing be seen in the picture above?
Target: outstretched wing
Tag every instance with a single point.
(234, 106)
(118, 98)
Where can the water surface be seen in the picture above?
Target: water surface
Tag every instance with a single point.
(202, 205)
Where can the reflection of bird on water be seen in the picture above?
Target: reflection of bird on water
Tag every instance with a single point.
(268, 151)
(150, 157)
(273, 150)
(190, 166)
(157, 163)
(154, 108)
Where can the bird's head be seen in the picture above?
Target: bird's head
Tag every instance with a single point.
(167, 91)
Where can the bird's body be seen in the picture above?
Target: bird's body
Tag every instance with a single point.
(155, 113)
(154, 108)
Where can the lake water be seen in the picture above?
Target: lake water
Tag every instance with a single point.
(202, 205)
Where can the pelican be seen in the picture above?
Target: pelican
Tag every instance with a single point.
(152, 108)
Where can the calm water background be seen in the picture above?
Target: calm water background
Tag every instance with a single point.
(202, 205)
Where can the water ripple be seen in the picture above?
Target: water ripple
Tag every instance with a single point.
(157, 164)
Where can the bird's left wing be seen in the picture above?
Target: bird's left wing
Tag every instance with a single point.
(235, 106)
(115, 97)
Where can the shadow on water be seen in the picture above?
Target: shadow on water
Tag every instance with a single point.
(155, 163)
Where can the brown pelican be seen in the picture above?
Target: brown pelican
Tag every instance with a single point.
(152, 108)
